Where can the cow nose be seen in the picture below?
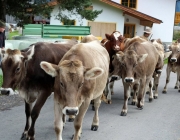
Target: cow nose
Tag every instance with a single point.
(129, 80)
(173, 60)
(5, 92)
(158, 71)
(71, 112)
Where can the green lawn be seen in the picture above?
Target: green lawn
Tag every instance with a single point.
(14, 33)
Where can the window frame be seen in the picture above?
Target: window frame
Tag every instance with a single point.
(129, 4)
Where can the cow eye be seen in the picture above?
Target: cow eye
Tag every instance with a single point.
(122, 64)
(62, 85)
(18, 69)
(81, 85)
(134, 65)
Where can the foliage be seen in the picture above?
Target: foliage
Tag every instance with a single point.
(11, 34)
(24, 9)
(176, 35)
(80, 8)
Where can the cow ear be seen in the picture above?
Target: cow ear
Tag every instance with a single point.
(49, 68)
(167, 54)
(108, 36)
(93, 73)
(141, 58)
(120, 55)
(29, 54)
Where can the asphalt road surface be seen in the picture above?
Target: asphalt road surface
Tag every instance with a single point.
(159, 120)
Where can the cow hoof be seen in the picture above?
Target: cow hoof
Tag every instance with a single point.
(176, 87)
(155, 97)
(150, 99)
(71, 120)
(23, 137)
(94, 127)
(109, 102)
(164, 91)
(73, 137)
(140, 107)
(133, 103)
(123, 113)
(93, 108)
(147, 92)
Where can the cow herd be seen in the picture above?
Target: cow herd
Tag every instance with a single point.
(85, 72)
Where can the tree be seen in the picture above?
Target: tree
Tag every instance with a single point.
(80, 8)
(22, 10)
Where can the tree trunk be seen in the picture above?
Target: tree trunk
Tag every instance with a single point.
(3, 10)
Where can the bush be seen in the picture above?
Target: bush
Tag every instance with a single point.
(176, 35)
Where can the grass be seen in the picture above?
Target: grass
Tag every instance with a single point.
(166, 61)
(14, 33)
(1, 80)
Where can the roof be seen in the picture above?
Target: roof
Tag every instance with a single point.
(134, 13)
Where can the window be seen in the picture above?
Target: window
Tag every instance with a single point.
(68, 22)
(129, 3)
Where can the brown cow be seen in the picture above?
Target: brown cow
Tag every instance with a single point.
(80, 77)
(173, 65)
(22, 70)
(138, 64)
(157, 73)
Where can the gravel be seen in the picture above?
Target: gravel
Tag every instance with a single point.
(7, 102)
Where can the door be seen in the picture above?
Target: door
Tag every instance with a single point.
(129, 30)
(99, 29)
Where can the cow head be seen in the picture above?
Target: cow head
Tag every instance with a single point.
(115, 40)
(72, 81)
(14, 68)
(175, 48)
(129, 62)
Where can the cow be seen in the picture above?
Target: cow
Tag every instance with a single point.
(137, 64)
(21, 70)
(112, 43)
(80, 77)
(173, 65)
(157, 73)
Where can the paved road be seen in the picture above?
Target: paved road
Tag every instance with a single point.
(159, 120)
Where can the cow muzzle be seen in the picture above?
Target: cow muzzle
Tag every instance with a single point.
(173, 60)
(129, 80)
(159, 71)
(7, 91)
(70, 110)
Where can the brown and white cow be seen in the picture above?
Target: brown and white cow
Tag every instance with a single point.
(173, 65)
(80, 76)
(112, 43)
(21, 70)
(137, 64)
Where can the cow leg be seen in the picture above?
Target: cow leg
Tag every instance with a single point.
(135, 88)
(79, 118)
(178, 76)
(95, 122)
(107, 93)
(35, 113)
(168, 70)
(176, 86)
(150, 89)
(156, 84)
(126, 96)
(140, 102)
(28, 108)
(111, 86)
(58, 121)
